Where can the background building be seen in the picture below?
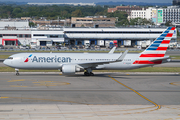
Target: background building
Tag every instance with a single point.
(13, 24)
(80, 36)
(176, 2)
(144, 13)
(15, 37)
(124, 37)
(138, 13)
(52, 23)
(127, 9)
(47, 37)
(171, 14)
(159, 15)
(93, 21)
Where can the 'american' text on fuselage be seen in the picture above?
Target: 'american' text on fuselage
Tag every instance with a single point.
(52, 59)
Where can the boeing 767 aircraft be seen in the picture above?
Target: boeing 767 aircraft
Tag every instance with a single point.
(70, 63)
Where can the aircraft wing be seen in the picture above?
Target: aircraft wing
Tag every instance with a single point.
(94, 64)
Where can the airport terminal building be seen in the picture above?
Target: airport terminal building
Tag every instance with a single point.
(79, 36)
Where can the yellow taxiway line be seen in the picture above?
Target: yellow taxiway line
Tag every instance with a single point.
(158, 106)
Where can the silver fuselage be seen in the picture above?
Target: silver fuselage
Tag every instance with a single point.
(56, 60)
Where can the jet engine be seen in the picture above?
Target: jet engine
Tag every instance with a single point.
(70, 69)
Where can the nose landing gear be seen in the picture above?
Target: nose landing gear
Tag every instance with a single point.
(17, 71)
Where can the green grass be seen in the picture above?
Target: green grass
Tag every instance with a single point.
(146, 69)
(4, 56)
(175, 57)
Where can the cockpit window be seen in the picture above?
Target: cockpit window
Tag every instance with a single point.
(10, 58)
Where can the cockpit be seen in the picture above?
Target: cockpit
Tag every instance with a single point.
(10, 58)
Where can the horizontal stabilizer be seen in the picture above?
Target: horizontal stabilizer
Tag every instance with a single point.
(164, 58)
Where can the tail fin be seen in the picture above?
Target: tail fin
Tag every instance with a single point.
(159, 46)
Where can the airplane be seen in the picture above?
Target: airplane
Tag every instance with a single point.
(70, 63)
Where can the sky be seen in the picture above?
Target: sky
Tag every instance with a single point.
(95, 1)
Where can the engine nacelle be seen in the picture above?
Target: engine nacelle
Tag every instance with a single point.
(70, 69)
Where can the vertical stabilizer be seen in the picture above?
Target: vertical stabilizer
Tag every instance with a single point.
(159, 46)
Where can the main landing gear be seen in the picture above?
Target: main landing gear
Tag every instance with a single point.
(88, 72)
(17, 71)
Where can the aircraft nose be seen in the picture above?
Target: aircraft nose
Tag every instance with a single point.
(5, 62)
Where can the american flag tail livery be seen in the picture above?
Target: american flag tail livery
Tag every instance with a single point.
(155, 53)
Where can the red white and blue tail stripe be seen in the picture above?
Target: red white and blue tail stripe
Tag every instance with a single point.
(159, 46)
(155, 53)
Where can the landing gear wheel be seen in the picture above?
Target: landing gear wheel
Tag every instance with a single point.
(88, 74)
(91, 74)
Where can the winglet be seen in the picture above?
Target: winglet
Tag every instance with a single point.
(112, 50)
(122, 56)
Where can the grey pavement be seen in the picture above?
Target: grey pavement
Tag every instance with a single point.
(105, 96)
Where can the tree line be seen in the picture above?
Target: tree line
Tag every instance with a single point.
(66, 12)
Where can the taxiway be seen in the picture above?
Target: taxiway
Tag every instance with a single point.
(100, 97)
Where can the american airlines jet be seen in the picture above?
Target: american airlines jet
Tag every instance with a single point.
(70, 63)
